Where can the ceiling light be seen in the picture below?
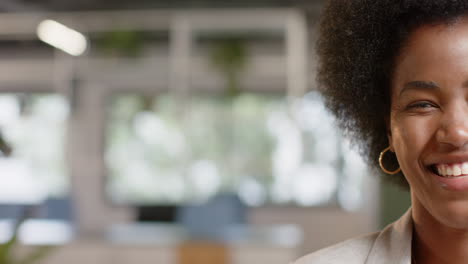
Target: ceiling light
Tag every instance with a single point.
(62, 37)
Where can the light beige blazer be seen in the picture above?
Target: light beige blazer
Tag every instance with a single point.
(392, 245)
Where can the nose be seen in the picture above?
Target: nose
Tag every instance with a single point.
(453, 129)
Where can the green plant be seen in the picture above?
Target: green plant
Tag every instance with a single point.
(7, 250)
(229, 57)
(122, 43)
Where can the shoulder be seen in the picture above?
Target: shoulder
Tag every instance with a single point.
(351, 251)
(389, 246)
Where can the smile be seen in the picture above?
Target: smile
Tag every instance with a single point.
(451, 170)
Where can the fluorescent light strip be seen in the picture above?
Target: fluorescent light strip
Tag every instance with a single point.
(62, 37)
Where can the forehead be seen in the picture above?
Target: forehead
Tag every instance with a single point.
(434, 52)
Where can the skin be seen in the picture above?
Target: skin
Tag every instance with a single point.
(429, 124)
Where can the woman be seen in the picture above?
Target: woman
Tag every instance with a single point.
(395, 73)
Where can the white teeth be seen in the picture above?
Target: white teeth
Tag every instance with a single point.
(448, 170)
(465, 168)
(452, 170)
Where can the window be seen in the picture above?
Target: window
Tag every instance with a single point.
(260, 146)
(33, 127)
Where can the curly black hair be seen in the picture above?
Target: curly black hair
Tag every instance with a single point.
(358, 43)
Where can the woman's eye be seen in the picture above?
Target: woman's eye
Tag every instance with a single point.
(421, 105)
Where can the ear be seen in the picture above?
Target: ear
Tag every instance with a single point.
(389, 133)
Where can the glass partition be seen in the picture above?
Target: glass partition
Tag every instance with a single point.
(32, 146)
(264, 148)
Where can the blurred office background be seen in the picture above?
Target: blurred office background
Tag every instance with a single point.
(183, 131)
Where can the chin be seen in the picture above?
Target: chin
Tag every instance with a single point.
(452, 214)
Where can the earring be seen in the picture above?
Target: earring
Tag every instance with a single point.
(382, 166)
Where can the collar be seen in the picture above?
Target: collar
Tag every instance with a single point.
(393, 244)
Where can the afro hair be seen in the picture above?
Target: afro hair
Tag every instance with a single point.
(358, 43)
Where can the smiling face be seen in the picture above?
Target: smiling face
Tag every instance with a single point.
(429, 121)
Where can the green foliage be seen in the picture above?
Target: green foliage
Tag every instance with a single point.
(229, 57)
(7, 250)
(124, 43)
(5, 147)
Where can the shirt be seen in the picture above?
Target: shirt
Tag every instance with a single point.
(392, 245)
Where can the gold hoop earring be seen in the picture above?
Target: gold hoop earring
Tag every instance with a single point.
(381, 164)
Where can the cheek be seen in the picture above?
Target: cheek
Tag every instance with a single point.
(410, 137)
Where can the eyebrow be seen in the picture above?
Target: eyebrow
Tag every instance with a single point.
(422, 85)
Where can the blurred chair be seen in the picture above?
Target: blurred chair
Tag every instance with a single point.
(57, 208)
(11, 211)
(210, 220)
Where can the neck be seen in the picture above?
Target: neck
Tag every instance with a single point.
(434, 242)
